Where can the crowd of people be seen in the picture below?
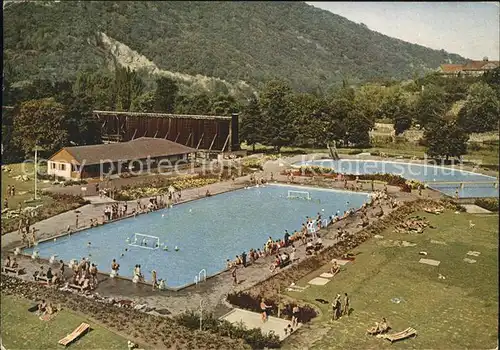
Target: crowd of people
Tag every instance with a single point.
(414, 224)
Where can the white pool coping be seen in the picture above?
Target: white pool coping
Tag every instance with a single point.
(320, 189)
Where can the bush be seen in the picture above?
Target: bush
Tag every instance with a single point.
(422, 142)
(473, 146)
(67, 198)
(253, 337)
(381, 140)
(490, 204)
(45, 176)
(355, 151)
(74, 182)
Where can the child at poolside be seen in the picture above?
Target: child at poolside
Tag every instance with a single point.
(161, 285)
(114, 268)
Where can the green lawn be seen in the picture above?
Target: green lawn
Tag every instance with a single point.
(460, 311)
(22, 329)
(24, 190)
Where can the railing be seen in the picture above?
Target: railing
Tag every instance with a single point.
(204, 273)
(462, 184)
(197, 279)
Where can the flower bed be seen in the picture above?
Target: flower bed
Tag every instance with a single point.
(159, 186)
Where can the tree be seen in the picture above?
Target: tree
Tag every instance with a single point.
(369, 98)
(223, 104)
(144, 103)
(165, 95)
(275, 101)
(402, 122)
(430, 105)
(40, 122)
(492, 78)
(481, 110)
(445, 139)
(309, 117)
(82, 126)
(252, 125)
(396, 107)
(10, 151)
(358, 127)
(128, 85)
(99, 86)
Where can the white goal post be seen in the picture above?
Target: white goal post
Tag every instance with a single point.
(299, 194)
(144, 241)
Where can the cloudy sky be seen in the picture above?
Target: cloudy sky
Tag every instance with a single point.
(471, 29)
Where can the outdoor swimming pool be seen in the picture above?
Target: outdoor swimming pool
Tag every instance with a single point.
(207, 231)
(423, 173)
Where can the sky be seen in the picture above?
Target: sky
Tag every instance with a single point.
(470, 29)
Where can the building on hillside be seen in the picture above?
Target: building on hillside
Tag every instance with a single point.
(203, 132)
(81, 162)
(471, 68)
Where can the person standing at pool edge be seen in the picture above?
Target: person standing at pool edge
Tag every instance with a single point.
(244, 259)
(233, 274)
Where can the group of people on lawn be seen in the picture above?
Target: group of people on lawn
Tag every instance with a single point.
(11, 263)
(340, 309)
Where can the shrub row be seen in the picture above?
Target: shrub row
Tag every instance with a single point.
(253, 337)
(490, 204)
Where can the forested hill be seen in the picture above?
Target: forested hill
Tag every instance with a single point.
(249, 41)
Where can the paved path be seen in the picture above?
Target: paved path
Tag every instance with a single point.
(475, 209)
(212, 291)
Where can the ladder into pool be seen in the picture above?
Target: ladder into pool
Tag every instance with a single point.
(198, 279)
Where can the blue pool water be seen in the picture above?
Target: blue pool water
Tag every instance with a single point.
(207, 231)
(423, 173)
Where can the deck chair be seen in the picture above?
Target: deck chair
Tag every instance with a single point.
(78, 332)
(408, 332)
(16, 270)
(373, 330)
(74, 286)
(41, 279)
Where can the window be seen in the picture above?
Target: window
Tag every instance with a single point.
(53, 165)
(62, 167)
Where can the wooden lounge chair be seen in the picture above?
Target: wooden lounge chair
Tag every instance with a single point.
(408, 332)
(74, 286)
(78, 332)
(16, 270)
